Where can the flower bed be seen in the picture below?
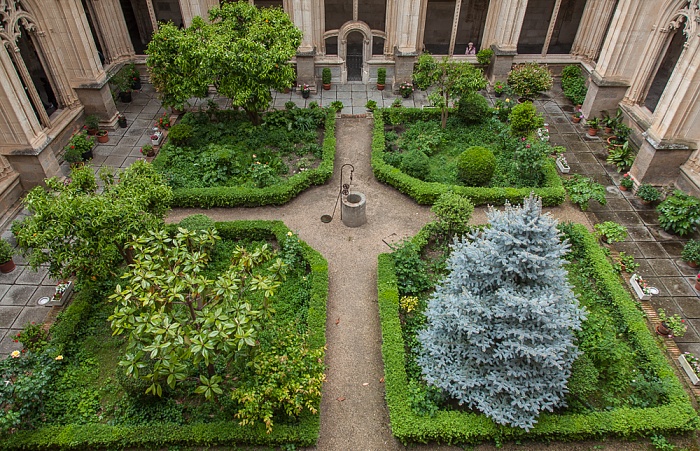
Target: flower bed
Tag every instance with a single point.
(226, 173)
(107, 418)
(671, 413)
(551, 189)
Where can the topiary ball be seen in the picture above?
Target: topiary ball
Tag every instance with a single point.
(473, 109)
(197, 222)
(416, 164)
(475, 166)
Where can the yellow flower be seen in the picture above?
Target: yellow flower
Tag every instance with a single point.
(60, 357)
(507, 99)
(290, 233)
(15, 354)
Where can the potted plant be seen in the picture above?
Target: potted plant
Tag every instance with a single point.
(406, 89)
(79, 148)
(577, 116)
(499, 88)
(92, 124)
(156, 137)
(543, 133)
(305, 90)
(610, 232)
(326, 78)
(620, 156)
(121, 119)
(381, 78)
(691, 253)
(593, 126)
(336, 105)
(397, 103)
(679, 213)
(147, 150)
(562, 164)
(484, 56)
(691, 366)
(641, 287)
(122, 83)
(620, 134)
(626, 182)
(135, 76)
(671, 326)
(6, 253)
(529, 80)
(102, 136)
(648, 193)
(164, 122)
(371, 105)
(62, 291)
(697, 282)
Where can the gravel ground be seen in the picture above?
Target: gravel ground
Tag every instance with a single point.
(354, 415)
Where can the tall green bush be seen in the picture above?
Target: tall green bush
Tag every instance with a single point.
(529, 80)
(573, 84)
(473, 108)
(475, 166)
(416, 164)
(525, 119)
(679, 213)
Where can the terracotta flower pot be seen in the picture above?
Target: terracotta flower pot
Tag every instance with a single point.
(697, 285)
(103, 137)
(623, 188)
(592, 131)
(380, 87)
(326, 87)
(608, 130)
(662, 329)
(692, 264)
(8, 266)
(576, 119)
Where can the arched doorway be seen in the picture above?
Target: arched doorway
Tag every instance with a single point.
(354, 60)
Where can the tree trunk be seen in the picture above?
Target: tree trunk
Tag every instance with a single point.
(446, 99)
(254, 116)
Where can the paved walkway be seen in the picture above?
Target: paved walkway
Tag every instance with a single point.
(344, 401)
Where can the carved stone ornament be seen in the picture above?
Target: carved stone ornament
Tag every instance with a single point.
(690, 15)
(12, 19)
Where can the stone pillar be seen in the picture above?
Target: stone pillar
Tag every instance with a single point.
(192, 8)
(619, 56)
(504, 21)
(305, 69)
(403, 67)
(673, 134)
(111, 26)
(407, 19)
(590, 34)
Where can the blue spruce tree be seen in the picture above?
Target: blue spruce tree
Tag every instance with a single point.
(499, 328)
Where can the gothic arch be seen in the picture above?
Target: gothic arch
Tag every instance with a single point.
(343, 32)
(674, 15)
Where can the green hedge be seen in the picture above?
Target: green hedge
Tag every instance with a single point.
(153, 436)
(279, 194)
(461, 427)
(426, 193)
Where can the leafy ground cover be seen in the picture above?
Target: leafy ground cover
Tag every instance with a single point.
(620, 386)
(225, 149)
(268, 395)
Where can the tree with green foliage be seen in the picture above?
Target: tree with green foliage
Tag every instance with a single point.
(177, 318)
(178, 62)
(452, 80)
(499, 328)
(82, 232)
(249, 49)
(244, 51)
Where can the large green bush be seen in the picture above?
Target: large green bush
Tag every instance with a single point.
(679, 213)
(573, 84)
(416, 164)
(525, 119)
(529, 80)
(473, 108)
(475, 166)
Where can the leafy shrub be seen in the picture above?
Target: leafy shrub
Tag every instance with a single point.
(371, 105)
(582, 189)
(691, 251)
(381, 76)
(530, 159)
(336, 105)
(648, 193)
(289, 105)
(621, 156)
(33, 337)
(78, 144)
(425, 136)
(489, 304)
(6, 251)
(198, 222)
(584, 378)
(180, 134)
(573, 84)
(473, 108)
(610, 231)
(453, 212)
(416, 164)
(679, 213)
(411, 270)
(475, 166)
(484, 56)
(528, 80)
(525, 119)
(326, 76)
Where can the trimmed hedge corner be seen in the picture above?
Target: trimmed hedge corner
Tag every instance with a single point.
(159, 435)
(426, 193)
(272, 195)
(456, 427)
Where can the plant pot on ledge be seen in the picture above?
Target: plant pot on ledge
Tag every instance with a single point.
(685, 364)
(102, 136)
(663, 329)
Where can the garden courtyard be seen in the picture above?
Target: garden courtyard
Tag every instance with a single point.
(353, 409)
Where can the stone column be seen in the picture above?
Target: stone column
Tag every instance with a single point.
(504, 21)
(192, 8)
(619, 56)
(405, 23)
(304, 14)
(673, 134)
(110, 24)
(590, 34)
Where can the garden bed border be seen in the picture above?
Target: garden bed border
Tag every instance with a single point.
(94, 436)
(426, 193)
(455, 427)
(226, 196)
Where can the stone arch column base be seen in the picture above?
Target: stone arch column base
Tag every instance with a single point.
(659, 164)
(403, 68)
(306, 70)
(501, 63)
(98, 100)
(689, 181)
(603, 95)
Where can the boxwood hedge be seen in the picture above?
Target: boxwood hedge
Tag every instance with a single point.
(278, 194)
(467, 427)
(153, 436)
(426, 193)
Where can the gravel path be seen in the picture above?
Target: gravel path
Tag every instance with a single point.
(353, 412)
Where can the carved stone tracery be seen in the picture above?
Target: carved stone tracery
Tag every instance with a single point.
(690, 15)
(12, 19)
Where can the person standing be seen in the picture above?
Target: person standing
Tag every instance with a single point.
(471, 50)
